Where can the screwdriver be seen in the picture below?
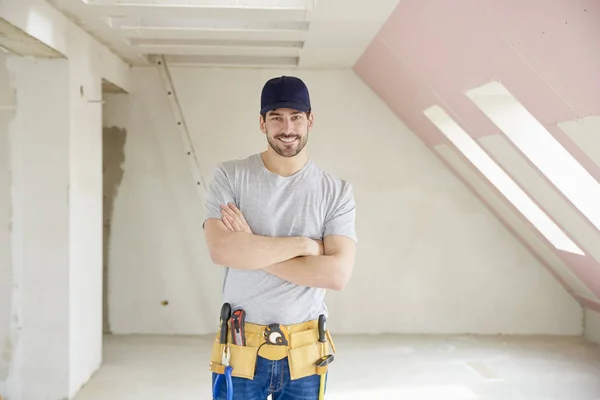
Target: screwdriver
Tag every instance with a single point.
(324, 360)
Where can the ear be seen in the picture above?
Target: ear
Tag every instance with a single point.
(311, 120)
(262, 124)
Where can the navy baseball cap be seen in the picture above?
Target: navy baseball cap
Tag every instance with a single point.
(284, 92)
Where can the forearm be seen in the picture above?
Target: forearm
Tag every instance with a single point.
(242, 250)
(312, 271)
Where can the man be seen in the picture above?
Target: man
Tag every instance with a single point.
(285, 231)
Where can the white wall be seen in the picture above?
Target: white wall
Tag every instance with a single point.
(57, 344)
(592, 325)
(7, 111)
(39, 170)
(85, 207)
(55, 179)
(431, 257)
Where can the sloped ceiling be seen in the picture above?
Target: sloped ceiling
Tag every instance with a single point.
(507, 93)
(246, 33)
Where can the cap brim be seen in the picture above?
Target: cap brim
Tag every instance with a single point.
(286, 104)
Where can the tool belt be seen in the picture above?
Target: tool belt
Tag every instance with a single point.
(299, 342)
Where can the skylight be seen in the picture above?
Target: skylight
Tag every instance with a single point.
(536, 143)
(500, 180)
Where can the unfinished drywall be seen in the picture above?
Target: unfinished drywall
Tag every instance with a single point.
(58, 300)
(56, 243)
(85, 206)
(39, 171)
(7, 112)
(113, 157)
(433, 253)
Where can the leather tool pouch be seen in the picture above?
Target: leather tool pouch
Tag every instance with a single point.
(304, 351)
(242, 359)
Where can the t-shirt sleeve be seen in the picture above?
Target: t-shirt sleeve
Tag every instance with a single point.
(219, 191)
(341, 219)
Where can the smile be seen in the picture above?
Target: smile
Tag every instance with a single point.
(287, 140)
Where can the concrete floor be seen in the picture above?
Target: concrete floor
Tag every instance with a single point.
(384, 366)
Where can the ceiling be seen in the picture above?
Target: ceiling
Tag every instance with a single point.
(233, 33)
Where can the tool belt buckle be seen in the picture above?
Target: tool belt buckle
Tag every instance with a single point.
(276, 334)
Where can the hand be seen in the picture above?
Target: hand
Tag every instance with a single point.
(233, 219)
(316, 248)
(313, 248)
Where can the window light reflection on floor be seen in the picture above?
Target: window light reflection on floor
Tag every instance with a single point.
(496, 175)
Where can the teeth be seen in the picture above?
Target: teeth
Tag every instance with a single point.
(287, 140)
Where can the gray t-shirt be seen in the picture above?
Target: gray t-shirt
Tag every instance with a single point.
(309, 203)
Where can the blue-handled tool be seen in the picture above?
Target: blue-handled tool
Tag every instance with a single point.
(225, 376)
(225, 315)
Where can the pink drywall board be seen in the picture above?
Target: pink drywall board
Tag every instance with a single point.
(400, 89)
(452, 47)
(560, 39)
(585, 267)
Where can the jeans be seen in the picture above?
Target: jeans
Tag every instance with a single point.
(272, 377)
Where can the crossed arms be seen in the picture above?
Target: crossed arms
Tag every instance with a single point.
(299, 260)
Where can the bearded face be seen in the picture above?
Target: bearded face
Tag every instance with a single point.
(287, 130)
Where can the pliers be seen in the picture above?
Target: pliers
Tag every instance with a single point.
(226, 376)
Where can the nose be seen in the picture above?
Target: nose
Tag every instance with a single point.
(287, 126)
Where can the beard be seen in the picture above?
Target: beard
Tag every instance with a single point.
(287, 149)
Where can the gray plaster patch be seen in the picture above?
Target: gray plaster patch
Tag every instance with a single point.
(113, 153)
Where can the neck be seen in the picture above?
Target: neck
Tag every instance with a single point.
(283, 166)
